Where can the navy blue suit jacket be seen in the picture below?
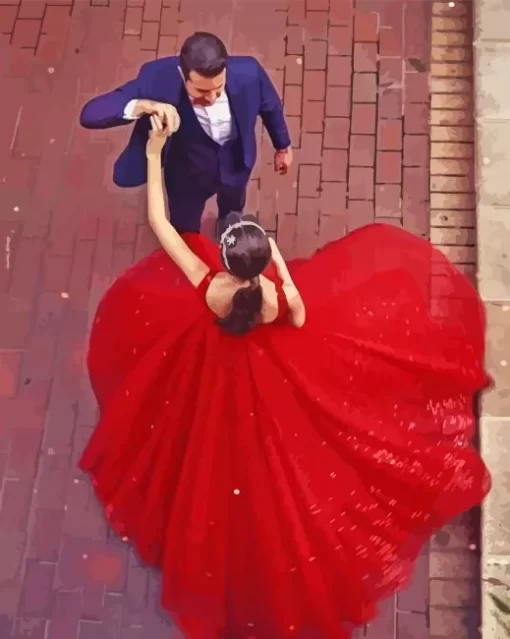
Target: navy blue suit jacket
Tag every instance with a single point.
(250, 90)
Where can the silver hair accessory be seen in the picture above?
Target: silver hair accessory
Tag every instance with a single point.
(227, 239)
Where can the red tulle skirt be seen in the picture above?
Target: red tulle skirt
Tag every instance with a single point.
(285, 481)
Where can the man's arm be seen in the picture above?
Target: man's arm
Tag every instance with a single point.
(112, 109)
(271, 112)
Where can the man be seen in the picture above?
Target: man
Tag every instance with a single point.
(210, 102)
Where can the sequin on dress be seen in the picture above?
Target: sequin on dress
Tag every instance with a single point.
(285, 481)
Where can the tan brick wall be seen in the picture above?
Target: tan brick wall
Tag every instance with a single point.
(454, 565)
(452, 199)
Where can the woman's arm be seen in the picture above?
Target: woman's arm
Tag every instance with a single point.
(192, 266)
(297, 311)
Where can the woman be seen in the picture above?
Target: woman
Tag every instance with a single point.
(282, 441)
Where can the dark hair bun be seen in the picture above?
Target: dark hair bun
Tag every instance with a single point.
(233, 218)
(245, 253)
(246, 308)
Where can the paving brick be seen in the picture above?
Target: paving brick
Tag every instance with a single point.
(391, 71)
(10, 364)
(390, 104)
(313, 117)
(338, 102)
(391, 42)
(365, 57)
(388, 200)
(389, 167)
(384, 624)
(8, 15)
(26, 33)
(56, 21)
(334, 165)
(315, 55)
(336, 133)
(314, 85)
(16, 496)
(339, 71)
(29, 628)
(295, 40)
(293, 69)
(152, 11)
(332, 227)
(364, 87)
(311, 147)
(31, 9)
(317, 5)
(417, 88)
(169, 20)
(389, 135)
(363, 118)
(150, 35)
(359, 213)
(365, 27)
(341, 13)
(416, 150)
(333, 199)
(414, 597)
(294, 125)
(292, 100)
(361, 183)
(416, 119)
(316, 23)
(307, 231)
(309, 180)
(415, 199)
(37, 586)
(452, 622)
(340, 40)
(362, 150)
(412, 626)
(167, 46)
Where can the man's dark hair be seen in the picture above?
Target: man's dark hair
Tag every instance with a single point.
(203, 53)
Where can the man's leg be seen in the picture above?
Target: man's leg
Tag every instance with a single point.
(186, 208)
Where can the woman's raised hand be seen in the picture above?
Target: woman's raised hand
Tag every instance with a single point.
(158, 135)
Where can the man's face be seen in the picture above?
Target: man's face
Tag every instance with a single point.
(205, 91)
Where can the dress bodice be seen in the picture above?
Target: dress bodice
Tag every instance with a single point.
(270, 273)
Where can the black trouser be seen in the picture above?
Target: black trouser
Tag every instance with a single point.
(187, 202)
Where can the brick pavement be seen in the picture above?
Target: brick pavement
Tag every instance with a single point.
(355, 87)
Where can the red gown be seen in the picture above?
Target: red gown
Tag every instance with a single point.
(286, 480)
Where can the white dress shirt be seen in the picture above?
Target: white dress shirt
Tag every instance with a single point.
(215, 120)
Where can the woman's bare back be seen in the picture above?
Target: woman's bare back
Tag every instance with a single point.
(224, 286)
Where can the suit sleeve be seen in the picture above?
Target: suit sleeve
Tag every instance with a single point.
(107, 111)
(271, 112)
